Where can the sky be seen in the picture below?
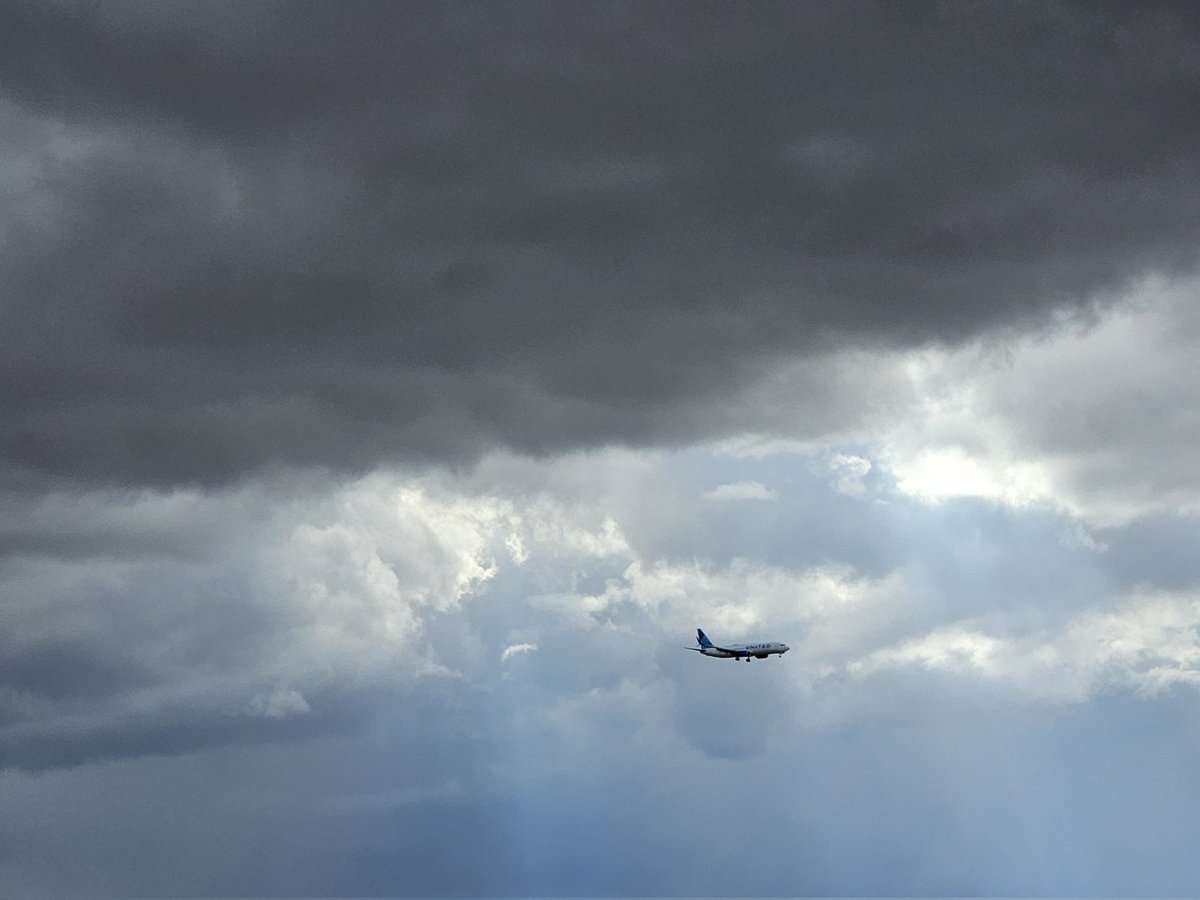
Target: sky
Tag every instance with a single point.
(389, 391)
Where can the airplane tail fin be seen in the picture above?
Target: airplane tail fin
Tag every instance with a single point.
(702, 639)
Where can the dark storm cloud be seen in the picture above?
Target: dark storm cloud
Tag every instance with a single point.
(332, 234)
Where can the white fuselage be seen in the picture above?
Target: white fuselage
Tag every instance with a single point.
(745, 651)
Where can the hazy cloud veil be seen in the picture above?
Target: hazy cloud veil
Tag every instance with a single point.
(387, 392)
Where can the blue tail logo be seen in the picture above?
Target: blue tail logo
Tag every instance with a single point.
(702, 639)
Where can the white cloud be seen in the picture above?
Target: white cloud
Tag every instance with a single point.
(741, 490)
(279, 704)
(1146, 643)
(849, 471)
(211, 602)
(1100, 420)
(516, 549)
(1095, 416)
(516, 650)
(1076, 536)
(943, 473)
(359, 574)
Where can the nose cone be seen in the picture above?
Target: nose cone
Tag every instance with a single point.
(785, 649)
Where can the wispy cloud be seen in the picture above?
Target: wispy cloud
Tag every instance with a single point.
(516, 650)
(741, 490)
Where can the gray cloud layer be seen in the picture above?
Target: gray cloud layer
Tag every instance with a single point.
(325, 234)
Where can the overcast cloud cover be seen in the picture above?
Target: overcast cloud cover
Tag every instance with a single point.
(387, 392)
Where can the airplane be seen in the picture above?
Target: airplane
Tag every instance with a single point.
(737, 651)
